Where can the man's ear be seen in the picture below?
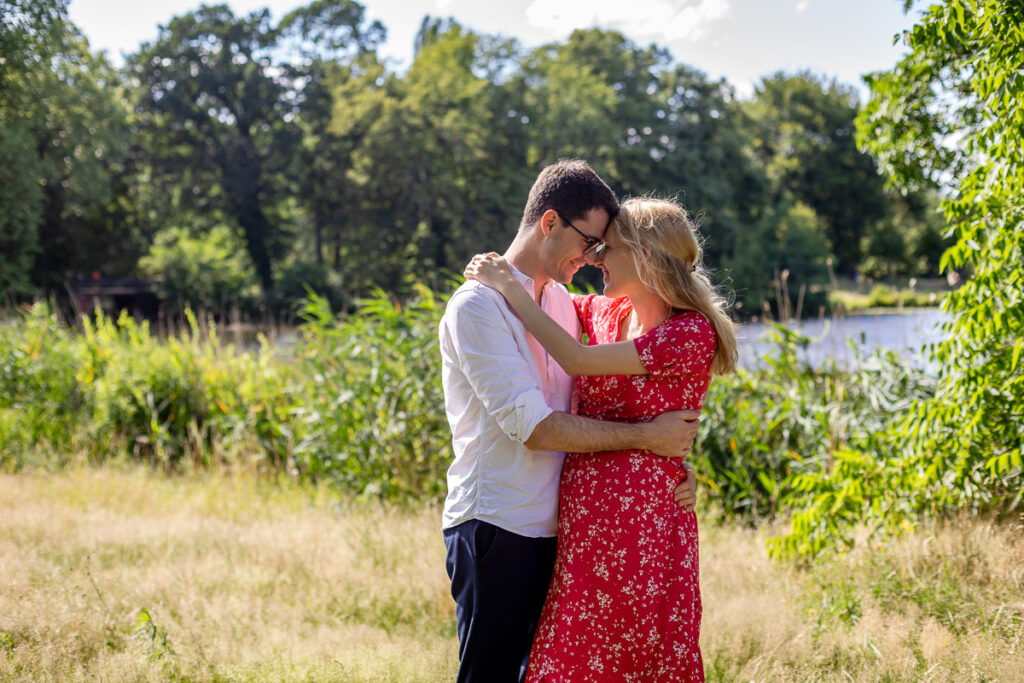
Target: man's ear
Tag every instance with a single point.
(547, 222)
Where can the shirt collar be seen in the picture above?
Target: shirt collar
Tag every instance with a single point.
(525, 280)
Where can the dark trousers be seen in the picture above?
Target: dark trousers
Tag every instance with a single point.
(499, 580)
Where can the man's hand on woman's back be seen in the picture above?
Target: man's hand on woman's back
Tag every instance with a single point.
(671, 434)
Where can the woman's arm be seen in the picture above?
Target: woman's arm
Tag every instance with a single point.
(619, 358)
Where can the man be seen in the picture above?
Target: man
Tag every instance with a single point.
(509, 406)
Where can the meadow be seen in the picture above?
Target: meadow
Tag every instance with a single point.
(175, 508)
(357, 404)
(120, 573)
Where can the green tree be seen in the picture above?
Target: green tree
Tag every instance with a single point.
(67, 182)
(805, 138)
(217, 122)
(707, 159)
(427, 168)
(90, 215)
(952, 111)
(652, 126)
(30, 35)
(329, 40)
(595, 97)
(206, 272)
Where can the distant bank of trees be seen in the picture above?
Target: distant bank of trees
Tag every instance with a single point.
(239, 160)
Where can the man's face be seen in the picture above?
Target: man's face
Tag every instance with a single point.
(570, 241)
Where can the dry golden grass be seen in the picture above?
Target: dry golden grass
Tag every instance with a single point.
(254, 581)
(945, 604)
(249, 581)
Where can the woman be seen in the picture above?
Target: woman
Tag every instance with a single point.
(624, 600)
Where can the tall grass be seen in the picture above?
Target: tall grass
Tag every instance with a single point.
(789, 436)
(126, 575)
(358, 402)
(371, 412)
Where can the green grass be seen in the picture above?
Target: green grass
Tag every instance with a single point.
(883, 296)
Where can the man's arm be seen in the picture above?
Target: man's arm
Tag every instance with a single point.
(669, 435)
(475, 332)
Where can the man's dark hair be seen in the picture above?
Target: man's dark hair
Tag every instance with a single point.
(570, 187)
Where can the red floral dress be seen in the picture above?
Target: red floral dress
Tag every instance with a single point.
(624, 601)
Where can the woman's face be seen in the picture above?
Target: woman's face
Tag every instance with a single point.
(620, 276)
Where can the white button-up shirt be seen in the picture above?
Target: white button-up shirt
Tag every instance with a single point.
(499, 384)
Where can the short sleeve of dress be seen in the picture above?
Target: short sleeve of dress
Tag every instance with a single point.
(683, 344)
(584, 304)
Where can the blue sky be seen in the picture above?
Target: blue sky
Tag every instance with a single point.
(741, 40)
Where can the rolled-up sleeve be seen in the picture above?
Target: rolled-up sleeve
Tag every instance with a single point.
(475, 331)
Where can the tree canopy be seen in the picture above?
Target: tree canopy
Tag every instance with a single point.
(952, 114)
(338, 172)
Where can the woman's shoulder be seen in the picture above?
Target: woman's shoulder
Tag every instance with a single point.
(598, 304)
(690, 323)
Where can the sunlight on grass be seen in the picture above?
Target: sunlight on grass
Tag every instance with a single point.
(127, 575)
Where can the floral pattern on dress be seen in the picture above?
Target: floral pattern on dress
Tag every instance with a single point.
(624, 600)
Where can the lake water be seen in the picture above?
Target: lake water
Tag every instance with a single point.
(904, 332)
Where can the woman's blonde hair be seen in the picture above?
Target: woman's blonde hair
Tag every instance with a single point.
(663, 242)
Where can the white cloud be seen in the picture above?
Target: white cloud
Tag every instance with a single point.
(801, 5)
(669, 20)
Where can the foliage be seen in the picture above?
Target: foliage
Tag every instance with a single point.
(357, 402)
(372, 416)
(41, 399)
(961, 445)
(300, 138)
(214, 118)
(359, 405)
(19, 242)
(297, 277)
(152, 637)
(207, 272)
(769, 431)
(427, 180)
(884, 296)
(330, 40)
(803, 254)
(805, 137)
(30, 33)
(63, 137)
(218, 114)
(298, 145)
(952, 111)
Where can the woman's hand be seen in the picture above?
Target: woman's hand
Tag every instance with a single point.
(492, 270)
(685, 493)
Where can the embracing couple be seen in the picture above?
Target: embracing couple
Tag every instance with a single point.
(616, 598)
